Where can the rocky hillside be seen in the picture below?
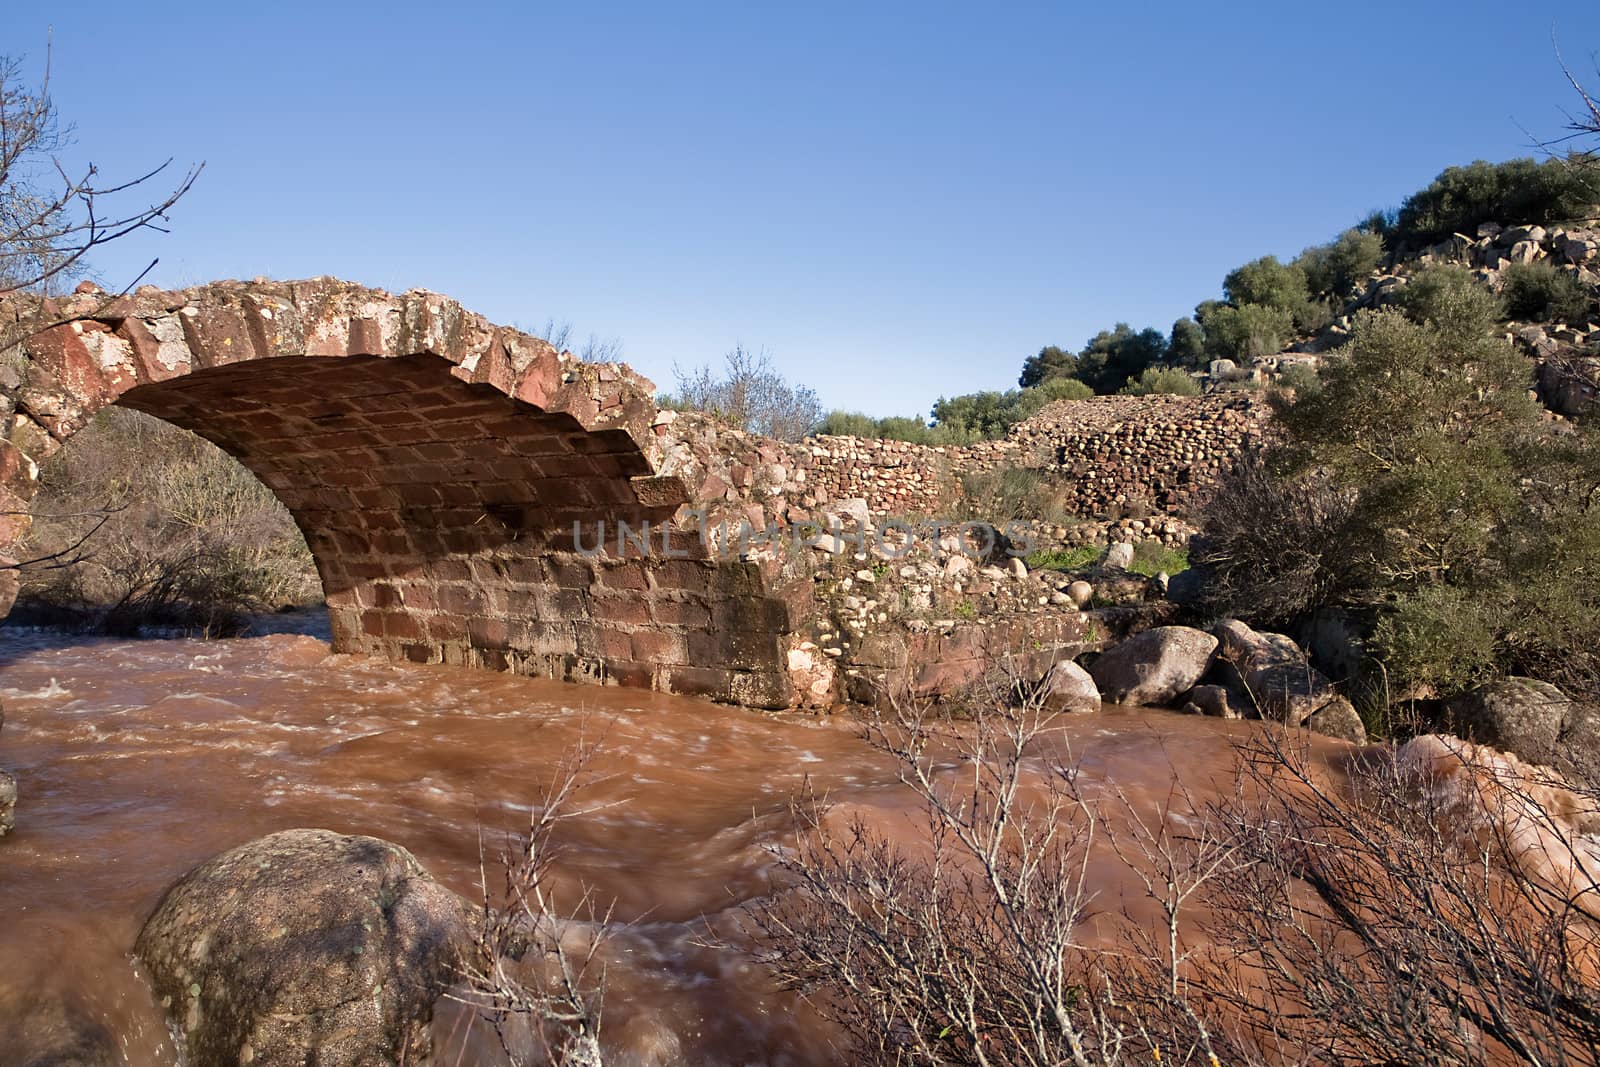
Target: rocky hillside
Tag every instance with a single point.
(1564, 340)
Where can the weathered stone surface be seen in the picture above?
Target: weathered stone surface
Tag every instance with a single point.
(1523, 252)
(1338, 718)
(1523, 716)
(1119, 556)
(812, 674)
(8, 803)
(1274, 672)
(46, 1027)
(1154, 668)
(305, 946)
(1219, 702)
(1068, 687)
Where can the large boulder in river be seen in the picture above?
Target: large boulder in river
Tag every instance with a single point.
(1156, 667)
(8, 803)
(1526, 717)
(305, 946)
(1274, 672)
(1068, 687)
(1339, 718)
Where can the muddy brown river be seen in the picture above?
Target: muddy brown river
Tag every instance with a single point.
(138, 760)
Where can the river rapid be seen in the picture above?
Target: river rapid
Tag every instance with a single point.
(138, 760)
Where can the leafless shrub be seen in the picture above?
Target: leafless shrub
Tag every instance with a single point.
(1442, 910)
(50, 218)
(967, 947)
(138, 522)
(533, 974)
(1274, 548)
(751, 393)
(594, 350)
(1435, 906)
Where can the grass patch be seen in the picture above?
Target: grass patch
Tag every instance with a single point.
(1150, 558)
(1064, 559)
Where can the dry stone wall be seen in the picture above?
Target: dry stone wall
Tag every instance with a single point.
(1112, 456)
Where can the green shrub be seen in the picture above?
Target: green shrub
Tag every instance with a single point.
(1113, 356)
(980, 416)
(1051, 362)
(988, 415)
(1516, 191)
(1162, 380)
(1054, 389)
(1445, 289)
(1186, 345)
(1420, 489)
(1301, 377)
(889, 428)
(1336, 269)
(1440, 638)
(1245, 332)
(847, 424)
(1540, 292)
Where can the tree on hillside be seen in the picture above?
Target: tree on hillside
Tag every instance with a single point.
(51, 218)
(1113, 356)
(751, 393)
(1267, 282)
(1186, 345)
(1244, 331)
(1051, 362)
(1518, 190)
(1335, 269)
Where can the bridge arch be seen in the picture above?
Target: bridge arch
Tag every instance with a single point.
(437, 465)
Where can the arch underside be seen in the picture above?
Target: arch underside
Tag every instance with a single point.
(441, 515)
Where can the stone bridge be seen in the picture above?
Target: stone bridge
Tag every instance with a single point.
(436, 464)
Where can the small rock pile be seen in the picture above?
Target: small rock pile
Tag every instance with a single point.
(932, 613)
(1230, 672)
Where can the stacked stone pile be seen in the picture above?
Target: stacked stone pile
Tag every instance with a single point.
(1144, 455)
(895, 477)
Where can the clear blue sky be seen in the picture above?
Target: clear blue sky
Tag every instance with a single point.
(897, 200)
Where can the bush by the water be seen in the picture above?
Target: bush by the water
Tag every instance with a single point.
(1438, 907)
(1420, 488)
(140, 523)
